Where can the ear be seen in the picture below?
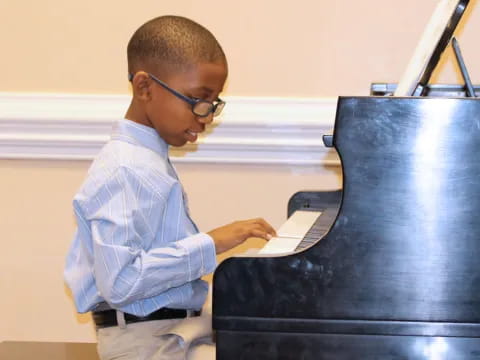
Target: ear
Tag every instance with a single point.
(142, 86)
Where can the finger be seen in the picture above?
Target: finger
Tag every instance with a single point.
(260, 233)
(268, 228)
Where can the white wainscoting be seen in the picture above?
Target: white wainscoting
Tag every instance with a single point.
(252, 130)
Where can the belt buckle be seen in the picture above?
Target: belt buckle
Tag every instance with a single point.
(193, 313)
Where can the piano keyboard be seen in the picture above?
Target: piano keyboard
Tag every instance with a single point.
(301, 230)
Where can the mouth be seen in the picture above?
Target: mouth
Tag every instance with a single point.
(191, 135)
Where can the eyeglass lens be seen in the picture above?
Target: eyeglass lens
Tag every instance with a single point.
(219, 108)
(204, 108)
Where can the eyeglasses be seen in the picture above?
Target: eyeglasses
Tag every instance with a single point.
(200, 107)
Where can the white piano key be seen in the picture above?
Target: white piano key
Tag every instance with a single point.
(279, 245)
(298, 224)
(291, 233)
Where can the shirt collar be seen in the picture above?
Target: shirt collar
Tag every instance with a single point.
(135, 133)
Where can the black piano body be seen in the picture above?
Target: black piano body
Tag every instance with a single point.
(397, 276)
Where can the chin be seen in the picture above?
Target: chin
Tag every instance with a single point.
(177, 143)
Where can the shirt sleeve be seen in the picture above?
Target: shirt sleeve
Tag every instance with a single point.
(125, 216)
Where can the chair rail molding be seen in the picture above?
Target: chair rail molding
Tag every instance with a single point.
(251, 130)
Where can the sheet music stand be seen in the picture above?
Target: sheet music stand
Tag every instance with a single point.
(435, 39)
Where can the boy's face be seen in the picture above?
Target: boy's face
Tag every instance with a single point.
(172, 117)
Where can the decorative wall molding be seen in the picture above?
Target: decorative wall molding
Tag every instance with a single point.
(252, 130)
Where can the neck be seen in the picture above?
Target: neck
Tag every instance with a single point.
(136, 114)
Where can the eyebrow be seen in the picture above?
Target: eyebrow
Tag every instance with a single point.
(203, 88)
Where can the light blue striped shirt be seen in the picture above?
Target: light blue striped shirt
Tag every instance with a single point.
(135, 246)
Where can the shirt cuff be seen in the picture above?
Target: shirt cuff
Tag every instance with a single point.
(201, 255)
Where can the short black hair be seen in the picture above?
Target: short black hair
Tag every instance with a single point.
(172, 43)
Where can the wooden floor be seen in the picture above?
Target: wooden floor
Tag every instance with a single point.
(13, 350)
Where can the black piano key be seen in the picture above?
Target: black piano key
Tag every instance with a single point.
(319, 228)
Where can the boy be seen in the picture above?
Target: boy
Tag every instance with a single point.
(137, 257)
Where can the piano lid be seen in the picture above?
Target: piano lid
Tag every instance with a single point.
(433, 42)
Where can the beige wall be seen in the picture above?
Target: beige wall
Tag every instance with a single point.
(37, 226)
(276, 48)
(305, 48)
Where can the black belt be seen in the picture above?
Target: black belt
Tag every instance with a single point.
(108, 318)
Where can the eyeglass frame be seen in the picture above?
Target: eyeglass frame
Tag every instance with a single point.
(192, 101)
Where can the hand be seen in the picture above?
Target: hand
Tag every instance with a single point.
(231, 235)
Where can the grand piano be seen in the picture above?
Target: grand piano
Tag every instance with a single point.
(389, 266)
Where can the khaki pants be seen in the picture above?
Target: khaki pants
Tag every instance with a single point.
(182, 339)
